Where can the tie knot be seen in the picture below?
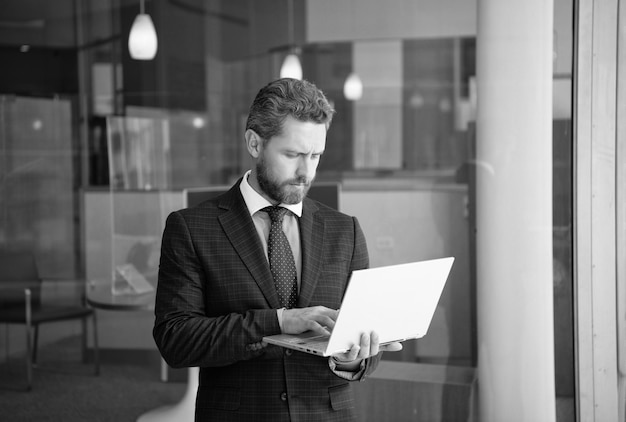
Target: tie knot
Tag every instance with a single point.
(276, 213)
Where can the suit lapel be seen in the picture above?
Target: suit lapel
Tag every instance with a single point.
(312, 241)
(241, 232)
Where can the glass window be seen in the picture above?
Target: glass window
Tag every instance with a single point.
(401, 145)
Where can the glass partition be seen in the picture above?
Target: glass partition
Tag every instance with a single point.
(139, 174)
(38, 199)
(403, 151)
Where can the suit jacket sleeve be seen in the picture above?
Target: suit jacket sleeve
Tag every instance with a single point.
(184, 332)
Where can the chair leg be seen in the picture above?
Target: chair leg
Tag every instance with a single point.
(83, 339)
(29, 355)
(35, 343)
(96, 349)
(29, 362)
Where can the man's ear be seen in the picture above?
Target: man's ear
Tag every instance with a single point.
(253, 143)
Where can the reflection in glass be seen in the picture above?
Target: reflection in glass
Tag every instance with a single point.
(139, 168)
(37, 196)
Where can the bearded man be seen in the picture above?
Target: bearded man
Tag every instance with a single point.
(259, 260)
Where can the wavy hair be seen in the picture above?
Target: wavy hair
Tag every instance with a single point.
(285, 97)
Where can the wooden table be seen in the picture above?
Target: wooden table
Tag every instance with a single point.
(100, 296)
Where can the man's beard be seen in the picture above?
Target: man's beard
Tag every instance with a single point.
(281, 192)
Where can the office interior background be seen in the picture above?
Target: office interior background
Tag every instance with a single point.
(482, 129)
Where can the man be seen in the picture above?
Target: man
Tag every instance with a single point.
(222, 286)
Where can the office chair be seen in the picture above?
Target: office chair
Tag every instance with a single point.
(20, 303)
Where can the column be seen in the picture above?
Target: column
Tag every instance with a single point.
(514, 211)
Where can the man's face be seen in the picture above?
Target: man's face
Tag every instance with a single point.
(286, 165)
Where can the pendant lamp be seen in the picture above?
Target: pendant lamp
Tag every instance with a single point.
(353, 87)
(142, 41)
(291, 67)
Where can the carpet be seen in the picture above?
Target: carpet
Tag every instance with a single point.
(64, 389)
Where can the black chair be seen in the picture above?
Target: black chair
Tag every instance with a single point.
(20, 303)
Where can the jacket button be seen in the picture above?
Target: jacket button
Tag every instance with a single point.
(283, 396)
(288, 352)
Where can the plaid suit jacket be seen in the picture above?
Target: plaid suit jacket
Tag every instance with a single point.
(216, 298)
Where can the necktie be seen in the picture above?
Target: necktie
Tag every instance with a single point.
(282, 264)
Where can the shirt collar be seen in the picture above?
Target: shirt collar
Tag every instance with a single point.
(255, 202)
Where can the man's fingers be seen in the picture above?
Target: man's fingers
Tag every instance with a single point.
(318, 318)
(329, 315)
(353, 353)
(374, 344)
(369, 346)
(365, 346)
(392, 347)
(318, 328)
(327, 322)
(322, 320)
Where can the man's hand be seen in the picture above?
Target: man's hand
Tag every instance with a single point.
(369, 346)
(319, 319)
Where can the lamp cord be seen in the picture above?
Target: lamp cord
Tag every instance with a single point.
(290, 22)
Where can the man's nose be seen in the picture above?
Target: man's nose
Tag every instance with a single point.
(306, 168)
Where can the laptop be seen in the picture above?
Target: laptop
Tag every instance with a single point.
(396, 301)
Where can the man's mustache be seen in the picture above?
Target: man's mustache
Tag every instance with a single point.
(299, 181)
